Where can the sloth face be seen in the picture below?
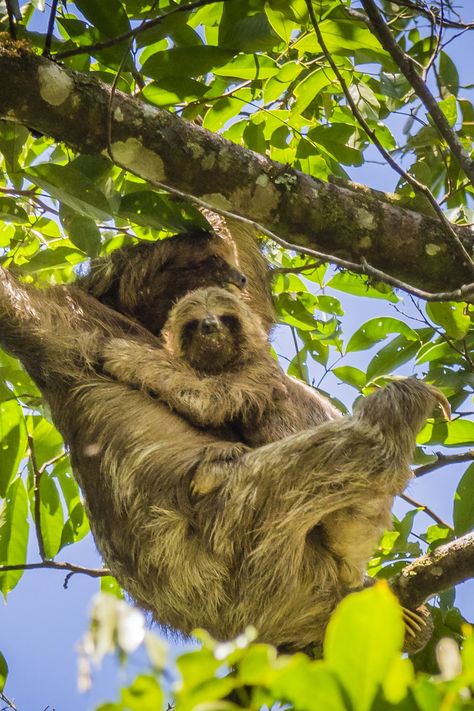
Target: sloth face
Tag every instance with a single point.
(213, 330)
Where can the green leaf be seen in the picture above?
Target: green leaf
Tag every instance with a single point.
(451, 434)
(249, 33)
(108, 16)
(352, 376)
(144, 694)
(394, 354)
(248, 66)
(11, 211)
(308, 88)
(13, 442)
(173, 90)
(450, 110)
(451, 316)
(51, 515)
(463, 506)
(3, 671)
(363, 640)
(375, 330)
(13, 534)
(448, 73)
(73, 188)
(186, 61)
(308, 686)
(358, 286)
(84, 233)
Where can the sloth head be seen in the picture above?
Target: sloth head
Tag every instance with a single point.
(214, 330)
(145, 279)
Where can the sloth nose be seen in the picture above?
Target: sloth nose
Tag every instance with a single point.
(210, 324)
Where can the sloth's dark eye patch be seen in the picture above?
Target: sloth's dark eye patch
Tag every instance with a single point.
(230, 321)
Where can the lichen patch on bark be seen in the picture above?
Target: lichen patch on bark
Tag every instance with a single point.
(54, 84)
(133, 155)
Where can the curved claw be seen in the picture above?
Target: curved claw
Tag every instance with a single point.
(441, 400)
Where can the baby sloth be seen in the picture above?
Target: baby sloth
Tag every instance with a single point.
(216, 370)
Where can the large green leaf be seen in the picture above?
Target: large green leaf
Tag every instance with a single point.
(51, 515)
(376, 329)
(73, 188)
(453, 317)
(3, 671)
(13, 534)
(451, 434)
(463, 508)
(363, 641)
(108, 16)
(13, 442)
(186, 61)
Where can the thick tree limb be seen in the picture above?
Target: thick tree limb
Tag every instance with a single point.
(349, 223)
(431, 574)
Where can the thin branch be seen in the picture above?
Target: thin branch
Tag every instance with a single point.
(407, 66)
(9, 703)
(11, 19)
(429, 512)
(56, 565)
(49, 33)
(297, 353)
(37, 498)
(131, 34)
(443, 460)
(430, 574)
(294, 270)
(432, 16)
(420, 187)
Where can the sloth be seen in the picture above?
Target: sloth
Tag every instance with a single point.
(253, 550)
(216, 370)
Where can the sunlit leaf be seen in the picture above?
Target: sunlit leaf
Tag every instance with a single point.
(13, 534)
(463, 505)
(376, 329)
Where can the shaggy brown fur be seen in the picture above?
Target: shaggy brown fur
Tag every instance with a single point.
(253, 551)
(216, 370)
(142, 280)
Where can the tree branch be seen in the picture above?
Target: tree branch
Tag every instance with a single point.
(348, 224)
(448, 565)
(443, 460)
(56, 565)
(408, 68)
(420, 187)
(429, 512)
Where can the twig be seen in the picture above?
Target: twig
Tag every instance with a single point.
(430, 574)
(297, 352)
(37, 498)
(57, 565)
(443, 460)
(420, 187)
(9, 703)
(294, 270)
(49, 33)
(11, 19)
(429, 512)
(131, 34)
(433, 17)
(407, 66)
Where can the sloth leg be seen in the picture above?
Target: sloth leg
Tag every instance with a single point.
(338, 478)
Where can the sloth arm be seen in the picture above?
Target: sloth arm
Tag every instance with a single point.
(205, 400)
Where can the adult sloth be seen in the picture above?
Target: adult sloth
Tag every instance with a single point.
(249, 552)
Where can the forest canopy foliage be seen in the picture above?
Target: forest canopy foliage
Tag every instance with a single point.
(322, 92)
